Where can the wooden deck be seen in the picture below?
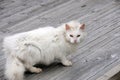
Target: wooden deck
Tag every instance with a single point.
(98, 54)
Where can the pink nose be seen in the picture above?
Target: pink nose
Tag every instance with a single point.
(75, 41)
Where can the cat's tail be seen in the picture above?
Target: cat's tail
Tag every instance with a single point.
(14, 69)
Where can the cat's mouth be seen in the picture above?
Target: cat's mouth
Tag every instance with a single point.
(74, 42)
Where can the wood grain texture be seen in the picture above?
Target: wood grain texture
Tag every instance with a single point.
(99, 53)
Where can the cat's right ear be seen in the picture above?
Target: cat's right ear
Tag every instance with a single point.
(67, 27)
(82, 26)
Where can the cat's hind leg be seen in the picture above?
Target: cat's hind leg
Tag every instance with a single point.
(33, 69)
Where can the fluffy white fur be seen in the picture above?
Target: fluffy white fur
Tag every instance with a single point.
(43, 45)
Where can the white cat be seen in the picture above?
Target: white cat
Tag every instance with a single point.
(42, 45)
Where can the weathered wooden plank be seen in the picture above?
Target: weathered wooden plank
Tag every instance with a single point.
(54, 15)
(110, 73)
(35, 24)
(108, 54)
(14, 7)
(25, 14)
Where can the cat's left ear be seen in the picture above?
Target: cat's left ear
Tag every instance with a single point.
(67, 27)
(82, 26)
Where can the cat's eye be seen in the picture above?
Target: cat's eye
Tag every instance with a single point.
(71, 35)
(78, 35)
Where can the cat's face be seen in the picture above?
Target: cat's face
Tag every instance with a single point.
(74, 32)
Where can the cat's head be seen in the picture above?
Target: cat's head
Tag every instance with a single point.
(74, 32)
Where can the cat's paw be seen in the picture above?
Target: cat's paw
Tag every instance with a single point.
(36, 70)
(67, 63)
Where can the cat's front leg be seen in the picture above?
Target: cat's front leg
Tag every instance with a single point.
(65, 61)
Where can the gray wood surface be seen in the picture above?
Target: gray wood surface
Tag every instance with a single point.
(100, 51)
